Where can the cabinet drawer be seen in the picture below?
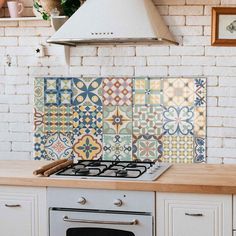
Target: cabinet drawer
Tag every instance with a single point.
(234, 233)
(194, 214)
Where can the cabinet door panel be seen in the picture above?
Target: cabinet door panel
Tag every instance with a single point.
(23, 211)
(194, 215)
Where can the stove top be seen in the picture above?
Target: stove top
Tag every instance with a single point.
(122, 170)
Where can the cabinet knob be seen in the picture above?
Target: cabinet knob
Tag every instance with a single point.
(82, 201)
(118, 202)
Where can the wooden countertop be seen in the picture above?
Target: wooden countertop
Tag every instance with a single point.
(193, 178)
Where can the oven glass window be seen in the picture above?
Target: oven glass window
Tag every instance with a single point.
(97, 232)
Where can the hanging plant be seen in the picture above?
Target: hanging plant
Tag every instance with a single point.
(46, 8)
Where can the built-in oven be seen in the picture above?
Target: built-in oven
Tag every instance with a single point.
(87, 212)
(71, 222)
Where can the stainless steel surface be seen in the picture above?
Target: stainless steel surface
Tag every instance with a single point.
(102, 222)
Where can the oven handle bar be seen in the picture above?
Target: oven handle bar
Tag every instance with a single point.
(133, 222)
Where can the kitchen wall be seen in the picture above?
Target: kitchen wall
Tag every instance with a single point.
(189, 20)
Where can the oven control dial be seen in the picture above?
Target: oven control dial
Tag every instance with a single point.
(118, 202)
(82, 201)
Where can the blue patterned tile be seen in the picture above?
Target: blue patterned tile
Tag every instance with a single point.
(87, 91)
(199, 150)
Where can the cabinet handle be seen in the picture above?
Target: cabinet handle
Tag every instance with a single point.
(13, 205)
(192, 214)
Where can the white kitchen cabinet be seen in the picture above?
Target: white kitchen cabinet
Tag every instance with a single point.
(23, 211)
(194, 214)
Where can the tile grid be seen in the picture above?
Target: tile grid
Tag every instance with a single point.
(121, 118)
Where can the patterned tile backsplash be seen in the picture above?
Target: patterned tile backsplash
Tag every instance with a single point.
(120, 119)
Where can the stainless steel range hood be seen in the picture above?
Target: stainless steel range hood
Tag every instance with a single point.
(114, 21)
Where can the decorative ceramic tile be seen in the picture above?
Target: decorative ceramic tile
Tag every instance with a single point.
(147, 147)
(147, 120)
(117, 147)
(57, 91)
(87, 91)
(200, 121)
(178, 92)
(200, 150)
(178, 149)
(87, 120)
(93, 118)
(88, 147)
(58, 145)
(39, 146)
(58, 119)
(117, 120)
(38, 121)
(148, 91)
(200, 92)
(39, 94)
(117, 91)
(178, 120)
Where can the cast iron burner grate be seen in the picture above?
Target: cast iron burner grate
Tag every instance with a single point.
(115, 169)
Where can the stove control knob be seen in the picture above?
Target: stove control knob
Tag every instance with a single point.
(82, 201)
(118, 202)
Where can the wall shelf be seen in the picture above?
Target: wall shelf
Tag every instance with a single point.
(30, 18)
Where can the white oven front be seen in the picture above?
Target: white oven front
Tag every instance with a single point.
(73, 222)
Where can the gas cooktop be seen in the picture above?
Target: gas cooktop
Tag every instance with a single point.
(122, 170)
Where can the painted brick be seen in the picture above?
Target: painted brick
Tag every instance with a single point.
(164, 60)
(85, 70)
(213, 122)
(58, 70)
(229, 122)
(212, 81)
(13, 99)
(202, 2)
(21, 108)
(186, 30)
(116, 51)
(229, 143)
(221, 112)
(83, 51)
(117, 71)
(227, 81)
(21, 127)
(221, 91)
(151, 71)
(13, 31)
(130, 61)
(196, 40)
(169, 2)
(187, 50)
(185, 71)
(4, 108)
(186, 10)
(221, 132)
(220, 51)
(226, 61)
(14, 156)
(220, 71)
(8, 41)
(228, 2)
(212, 101)
(215, 142)
(4, 127)
(198, 20)
(5, 146)
(227, 102)
(22, 146)
(198, 60)
(214, 160)
(174, 20)
(152, 50)
(97, 61)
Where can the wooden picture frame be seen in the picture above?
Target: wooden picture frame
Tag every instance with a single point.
(223, 29)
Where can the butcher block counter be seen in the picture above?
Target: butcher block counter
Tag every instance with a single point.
(189, 178)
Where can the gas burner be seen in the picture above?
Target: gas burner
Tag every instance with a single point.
(121, 173)
(132, 165)
(82, 171)
(95, 163)
(128, 170)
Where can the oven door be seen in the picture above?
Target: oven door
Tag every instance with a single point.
(94, 223)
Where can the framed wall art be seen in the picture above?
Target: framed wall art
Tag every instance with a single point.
(223, 26)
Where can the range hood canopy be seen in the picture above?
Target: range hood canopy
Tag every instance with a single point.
(114, 21)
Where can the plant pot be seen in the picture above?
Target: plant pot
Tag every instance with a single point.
(2, 2)
(49, 5)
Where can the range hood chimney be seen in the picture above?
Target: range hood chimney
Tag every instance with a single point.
(114, 22)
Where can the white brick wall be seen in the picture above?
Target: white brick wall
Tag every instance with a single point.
(189, 20)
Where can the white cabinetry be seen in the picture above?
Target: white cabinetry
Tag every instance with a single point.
(194, 214)
(23, 211)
